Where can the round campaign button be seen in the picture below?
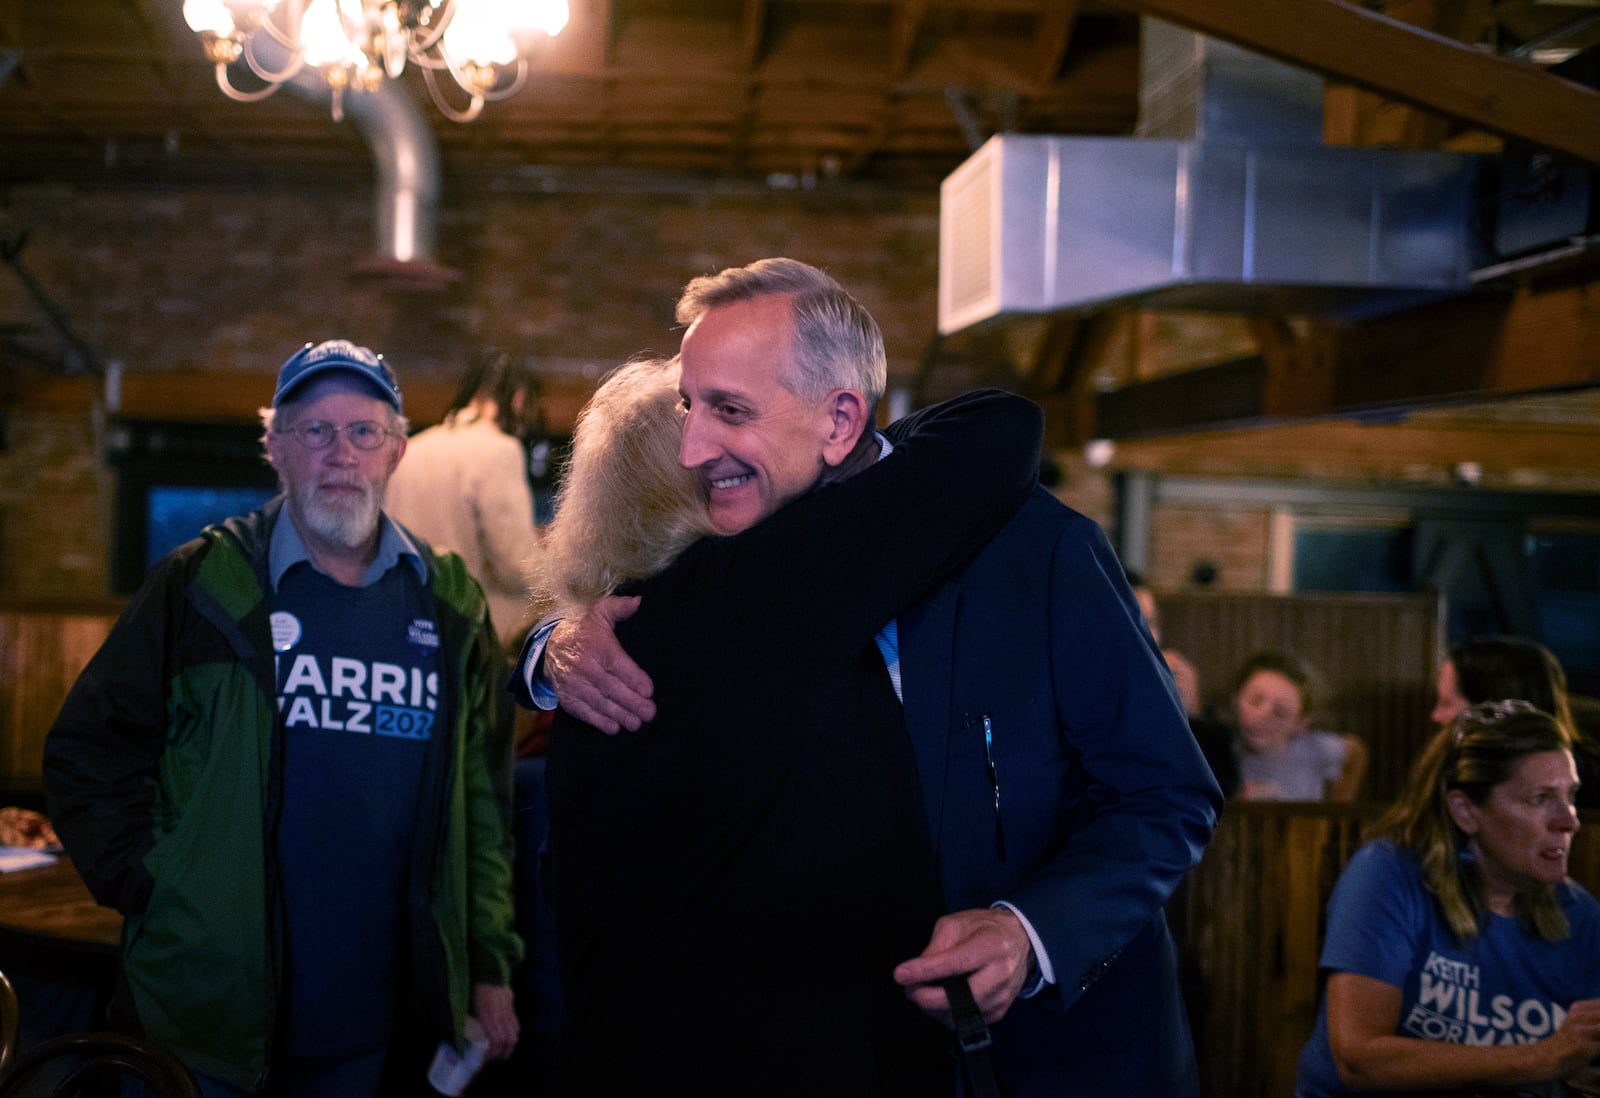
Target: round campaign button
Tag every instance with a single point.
(285, 631)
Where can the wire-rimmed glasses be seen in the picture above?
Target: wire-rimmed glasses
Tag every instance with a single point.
(318, 434)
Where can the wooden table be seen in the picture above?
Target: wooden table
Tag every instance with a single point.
(59, 948)
(49, 910)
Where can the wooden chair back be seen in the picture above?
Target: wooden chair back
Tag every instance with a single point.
(81, 1063)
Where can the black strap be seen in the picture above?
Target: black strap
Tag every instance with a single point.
(972, 1038)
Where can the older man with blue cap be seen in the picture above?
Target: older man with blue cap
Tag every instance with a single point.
(283, 768)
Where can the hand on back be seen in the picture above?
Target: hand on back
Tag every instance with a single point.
(594, 678)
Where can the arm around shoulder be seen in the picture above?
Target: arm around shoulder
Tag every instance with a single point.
(991, 437)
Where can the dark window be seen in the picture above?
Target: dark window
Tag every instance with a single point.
(1360, 558)
(174, 479)
(1566, 567)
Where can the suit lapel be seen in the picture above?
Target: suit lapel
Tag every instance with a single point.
(927, 655)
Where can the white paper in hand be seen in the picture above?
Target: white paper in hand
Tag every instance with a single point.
(451, 1071)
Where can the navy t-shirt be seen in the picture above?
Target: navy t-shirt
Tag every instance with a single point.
(358, 692)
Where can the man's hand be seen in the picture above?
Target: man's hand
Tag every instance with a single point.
(492, 1006)
(988, 945)
(594, 679)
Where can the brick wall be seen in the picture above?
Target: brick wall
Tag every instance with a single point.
(1232, 541)
(54, 507)
(232, 281)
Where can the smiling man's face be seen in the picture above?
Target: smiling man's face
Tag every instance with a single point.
(755, 444)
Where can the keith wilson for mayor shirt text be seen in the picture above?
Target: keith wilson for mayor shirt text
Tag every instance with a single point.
(1453, 1005)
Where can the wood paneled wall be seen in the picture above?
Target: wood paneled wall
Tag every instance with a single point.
(1377, 657)
(1250, 924)
(42, 649)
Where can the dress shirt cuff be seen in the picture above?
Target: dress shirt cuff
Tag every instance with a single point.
(1047, 973)
(539, 688)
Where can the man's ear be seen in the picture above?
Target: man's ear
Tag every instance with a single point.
(399, 452)
(847, 416)
(1462, 811)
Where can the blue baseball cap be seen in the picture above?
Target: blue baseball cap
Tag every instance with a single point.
(337, 354)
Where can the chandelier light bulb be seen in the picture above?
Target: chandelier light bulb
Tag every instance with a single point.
(208, 15)
(549, 16)
(478, 35)
(477, 47)
(323, 36)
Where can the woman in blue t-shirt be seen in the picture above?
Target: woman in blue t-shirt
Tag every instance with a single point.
(1459, 955)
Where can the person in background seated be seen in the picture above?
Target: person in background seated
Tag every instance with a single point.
(1489, 668)
(464, 487)
(1282, 759)
(1213, 733)
(282, 767)
(1184, 675)
(1459, 955)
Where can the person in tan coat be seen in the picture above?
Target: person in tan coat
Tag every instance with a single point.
(464, 486)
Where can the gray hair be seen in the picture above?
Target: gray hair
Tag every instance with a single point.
(837, 344)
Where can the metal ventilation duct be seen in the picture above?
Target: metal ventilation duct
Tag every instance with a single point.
(405, 160)
(1248, 213)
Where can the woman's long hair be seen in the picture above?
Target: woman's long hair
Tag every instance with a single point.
(1474, 753)
(626, 508)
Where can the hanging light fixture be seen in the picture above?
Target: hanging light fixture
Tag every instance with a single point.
(482, 45)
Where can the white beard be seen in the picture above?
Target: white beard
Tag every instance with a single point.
(349, 525)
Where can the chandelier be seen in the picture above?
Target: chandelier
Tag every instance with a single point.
(481, 45)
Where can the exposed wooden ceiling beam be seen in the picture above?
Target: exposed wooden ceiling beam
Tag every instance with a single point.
(1056, 23)
(1479, 347)
(1353, 116)
(1348, 450)
(907, 21)
(753, 32)
(1507, 96)
(1475, 347)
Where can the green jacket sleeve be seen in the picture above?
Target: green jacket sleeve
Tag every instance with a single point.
(102, 755)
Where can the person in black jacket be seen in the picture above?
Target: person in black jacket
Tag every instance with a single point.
(1061, 786)
(735, 884)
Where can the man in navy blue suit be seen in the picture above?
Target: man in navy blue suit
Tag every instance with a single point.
(1065, 795)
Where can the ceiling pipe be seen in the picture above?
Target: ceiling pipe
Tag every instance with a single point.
(405, 158)
(406, 196)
